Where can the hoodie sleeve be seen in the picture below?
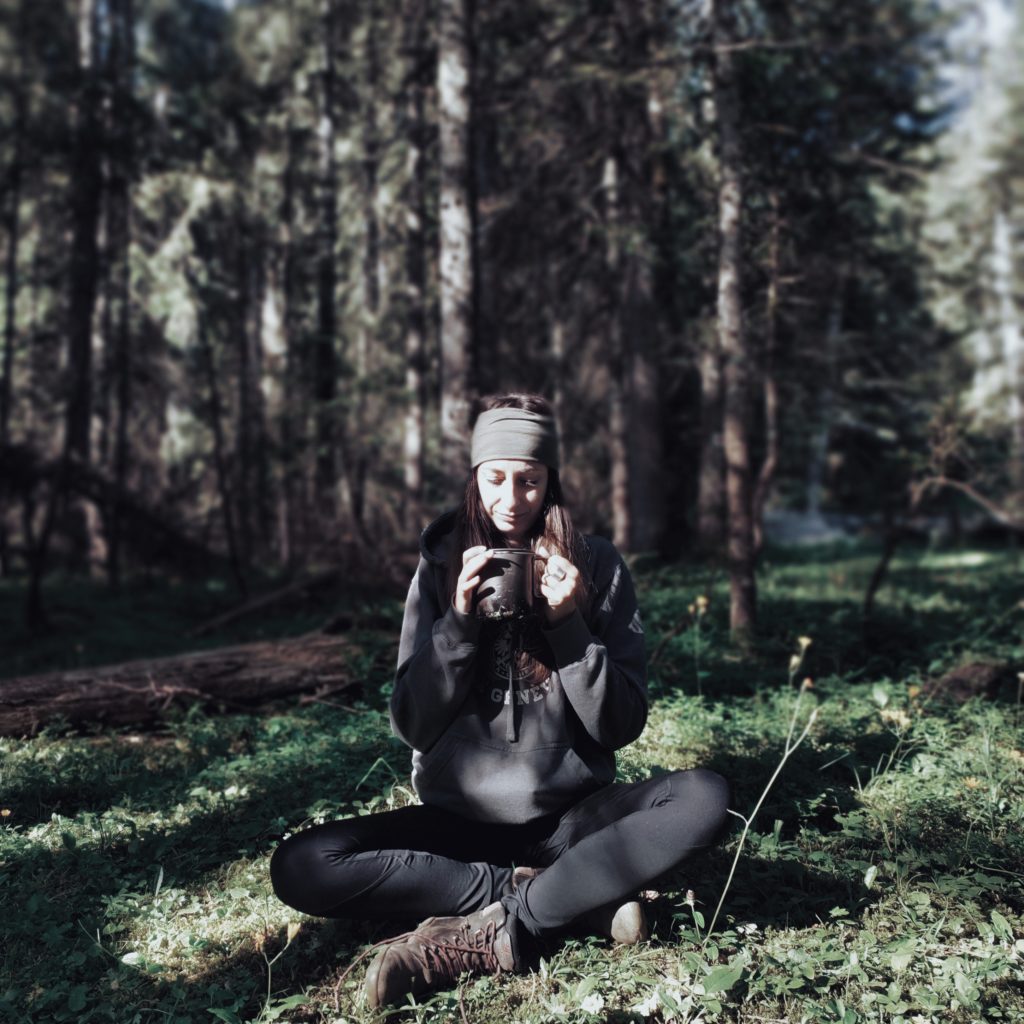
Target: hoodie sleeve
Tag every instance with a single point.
(603, 667)
(436, 655)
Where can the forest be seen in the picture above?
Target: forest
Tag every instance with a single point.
(260, 261)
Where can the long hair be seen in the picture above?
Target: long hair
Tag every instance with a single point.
(554, 529)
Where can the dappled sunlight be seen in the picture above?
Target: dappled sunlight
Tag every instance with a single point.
(884, 850)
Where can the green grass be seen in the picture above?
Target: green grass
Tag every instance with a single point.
(883, 879)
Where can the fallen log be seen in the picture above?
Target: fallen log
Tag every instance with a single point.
(137, 692)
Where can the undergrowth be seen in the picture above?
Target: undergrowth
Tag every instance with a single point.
(881, 879)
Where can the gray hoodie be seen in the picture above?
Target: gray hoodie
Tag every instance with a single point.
(452, 702)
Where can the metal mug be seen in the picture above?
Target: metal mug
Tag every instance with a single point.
(506, 587)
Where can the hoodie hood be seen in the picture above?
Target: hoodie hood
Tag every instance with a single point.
(435, 540)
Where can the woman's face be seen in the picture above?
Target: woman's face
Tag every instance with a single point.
(512, 492)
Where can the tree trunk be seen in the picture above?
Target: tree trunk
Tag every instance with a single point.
(733, 341)
(220, 462)
(818, 456)
(457, 237)
(711, 513)
(292, 511)
(325, 370)
(138, 692)
(770, 382)
(416, 269)
(371, 312)
(646, 474)
(619, 361)
(642, 200)
(250, 431)
(122, 165)
(86, 189)
(13, 225)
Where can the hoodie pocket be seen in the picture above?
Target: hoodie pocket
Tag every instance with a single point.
(504, 784)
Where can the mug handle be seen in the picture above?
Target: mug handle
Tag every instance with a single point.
(539, 561)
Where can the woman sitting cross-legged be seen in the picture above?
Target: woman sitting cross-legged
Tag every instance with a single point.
(521, 832)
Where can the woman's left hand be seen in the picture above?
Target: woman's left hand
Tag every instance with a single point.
(558, 584)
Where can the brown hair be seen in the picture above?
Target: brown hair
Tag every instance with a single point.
(554, 529)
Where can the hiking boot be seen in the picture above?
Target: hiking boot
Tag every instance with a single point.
(622, 922)
(438, 952)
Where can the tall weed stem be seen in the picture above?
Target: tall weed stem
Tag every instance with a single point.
(791, 746)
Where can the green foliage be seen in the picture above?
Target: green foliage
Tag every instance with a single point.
(880, 879)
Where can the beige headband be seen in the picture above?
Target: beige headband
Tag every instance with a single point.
(514, 434)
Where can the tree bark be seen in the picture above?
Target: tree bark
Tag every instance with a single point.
(325, 371)
(770, 382)
(826, 399)
(619, 369)
(86, 189)
(416, 268)
(733, 341)
(122, 164)
(220, 461)
(13, 225)
(371, 312)
(292, 509)
(457, 230)
(642, 200)
(138, 692)
(250, 432)
(646, 485)
(711, 512)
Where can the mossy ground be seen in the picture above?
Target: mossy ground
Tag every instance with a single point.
(882, 879)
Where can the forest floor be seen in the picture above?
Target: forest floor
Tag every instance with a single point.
(882, 878)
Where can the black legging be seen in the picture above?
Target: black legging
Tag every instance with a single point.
(421, 861)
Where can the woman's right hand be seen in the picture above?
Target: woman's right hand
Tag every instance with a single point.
(473, 560)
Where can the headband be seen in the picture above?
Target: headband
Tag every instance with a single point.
(514, 434)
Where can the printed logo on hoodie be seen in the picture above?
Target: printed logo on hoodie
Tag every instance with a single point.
(503, 654)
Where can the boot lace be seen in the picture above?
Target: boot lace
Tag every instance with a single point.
(465, 950)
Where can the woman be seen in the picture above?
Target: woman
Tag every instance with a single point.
(522, 831)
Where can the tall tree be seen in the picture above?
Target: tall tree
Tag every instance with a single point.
(733, 341)
(457, 217)
(122, 172)
(12, 222)
(369, 329)
(86, 190)
(416, 312)
(325, 358)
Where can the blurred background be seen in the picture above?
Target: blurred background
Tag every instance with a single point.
(260, 258)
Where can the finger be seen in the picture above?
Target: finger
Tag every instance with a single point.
(477, 560)
(472, 552)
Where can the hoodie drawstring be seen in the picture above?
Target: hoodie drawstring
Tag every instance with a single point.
(511, 733)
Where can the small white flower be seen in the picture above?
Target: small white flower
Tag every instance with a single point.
(648, 1006)
(747, 929)
(594, 1003)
